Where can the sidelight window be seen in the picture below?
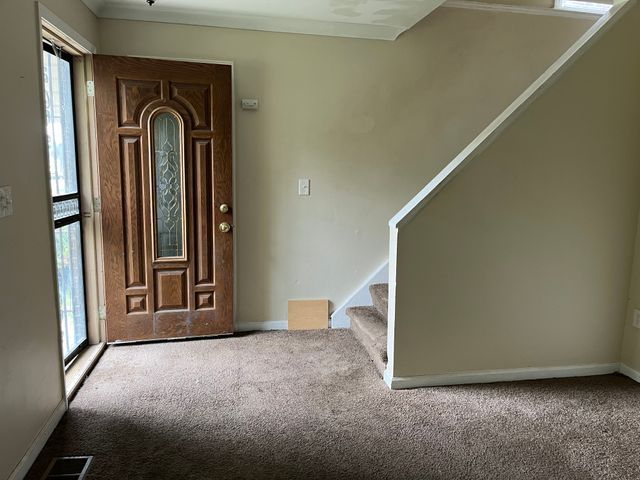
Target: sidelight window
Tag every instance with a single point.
(63, 177)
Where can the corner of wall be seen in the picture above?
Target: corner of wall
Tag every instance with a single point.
(630, 344)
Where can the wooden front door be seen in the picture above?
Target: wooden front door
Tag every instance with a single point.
(164, 137)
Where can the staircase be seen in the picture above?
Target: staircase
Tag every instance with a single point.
(369, 324)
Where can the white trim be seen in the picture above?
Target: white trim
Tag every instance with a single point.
(361, 296)
(491, 376)
(183, 59)
(506, 118)
(391, 314)
(629, 372)
(262, 326)
(86, 361)
(59, 24)
(95, 6)
(521, 9)
(38, 443)
(234, 177)
(248, 22)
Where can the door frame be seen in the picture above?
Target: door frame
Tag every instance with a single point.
(233, 163)
(86, 158)
(90, 176)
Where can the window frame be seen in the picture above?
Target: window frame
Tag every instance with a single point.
(583, 6)
(65, 221)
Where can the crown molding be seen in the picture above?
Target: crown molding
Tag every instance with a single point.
(103, 9)
(95, 6)
(119, 11)
(521, 9)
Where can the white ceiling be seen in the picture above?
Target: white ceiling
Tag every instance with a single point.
(375, 19)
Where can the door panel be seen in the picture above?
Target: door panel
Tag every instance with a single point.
(203, 214)
(164, 136)
(130, 152)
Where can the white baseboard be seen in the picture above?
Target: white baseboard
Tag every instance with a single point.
(491, 376)
(262, 326)
(38, 444)
(360, 297)
(629, 372)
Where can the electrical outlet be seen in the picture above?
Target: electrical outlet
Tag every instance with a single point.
(6, 202)
(636, 318)
(249, 104)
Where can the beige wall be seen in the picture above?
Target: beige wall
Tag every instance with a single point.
(524, 259)
(30, 375)
(368, 121)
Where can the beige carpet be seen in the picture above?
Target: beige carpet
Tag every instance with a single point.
(310, 405)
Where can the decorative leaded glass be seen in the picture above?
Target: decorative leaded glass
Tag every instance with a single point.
(66, 208)
(168, 185)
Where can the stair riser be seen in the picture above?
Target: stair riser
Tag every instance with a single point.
(373, 352)
(369, 328)
(380, 299)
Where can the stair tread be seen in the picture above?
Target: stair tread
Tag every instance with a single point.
(380, 297)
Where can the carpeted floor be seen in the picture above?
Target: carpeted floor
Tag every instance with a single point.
(310, 405)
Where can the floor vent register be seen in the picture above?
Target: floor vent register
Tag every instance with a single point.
(70, 468)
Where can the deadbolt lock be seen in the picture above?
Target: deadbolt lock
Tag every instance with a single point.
(224, 208)
(224, 227)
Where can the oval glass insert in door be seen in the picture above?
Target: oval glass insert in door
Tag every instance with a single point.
(168, 179)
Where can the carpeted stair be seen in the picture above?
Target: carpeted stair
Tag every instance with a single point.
(369, 324)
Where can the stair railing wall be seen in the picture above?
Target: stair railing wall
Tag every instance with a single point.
(412, 230)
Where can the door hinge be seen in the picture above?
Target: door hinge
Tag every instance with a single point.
(102, 312)
(97, 205)
(91, 88)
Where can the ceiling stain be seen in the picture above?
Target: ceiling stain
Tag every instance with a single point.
(347, 8)
(346, 12)
(381, 12)
(393, 17)
(347, 3)
(380, 19)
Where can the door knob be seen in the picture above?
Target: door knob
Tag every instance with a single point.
(224, 227)
(224, 208)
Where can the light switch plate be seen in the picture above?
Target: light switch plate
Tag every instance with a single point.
(6, 202)
(636, 318)
(304, 187)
